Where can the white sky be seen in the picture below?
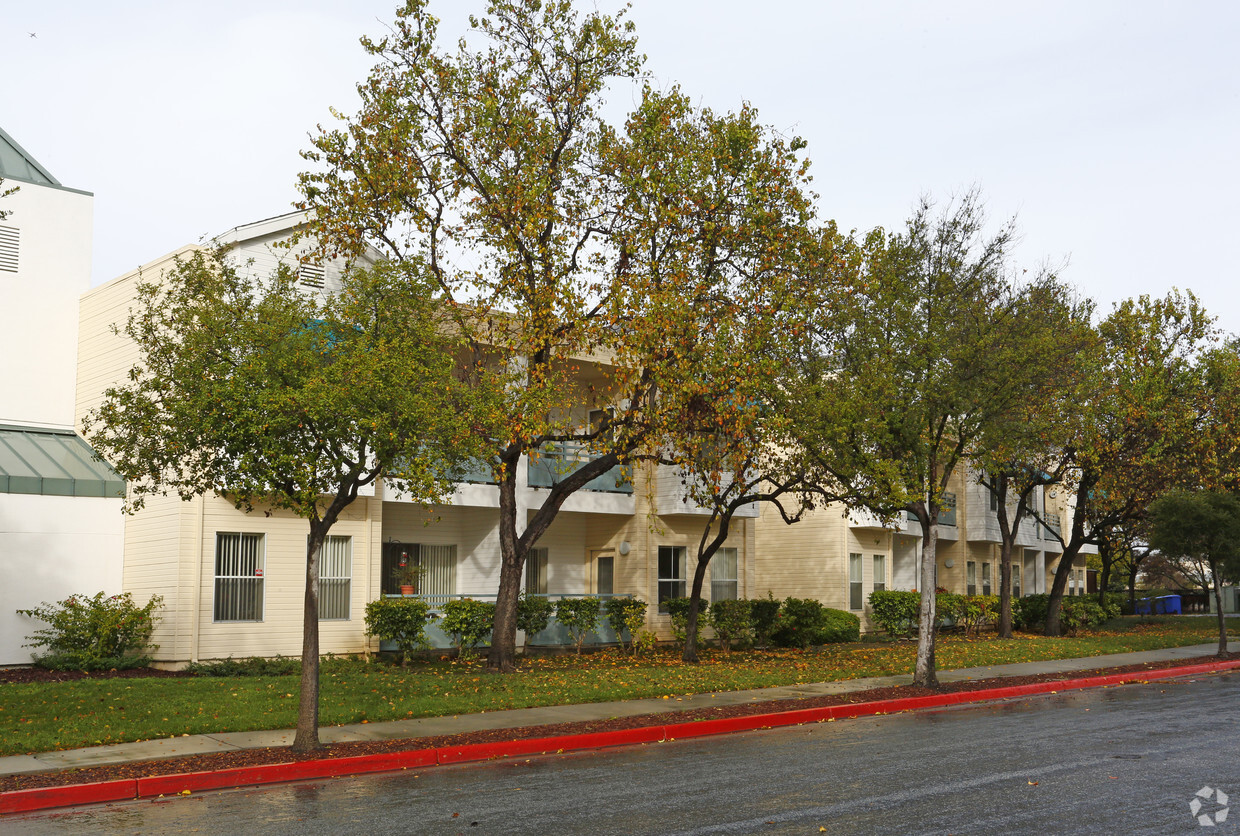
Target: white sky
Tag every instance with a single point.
(1111, 129)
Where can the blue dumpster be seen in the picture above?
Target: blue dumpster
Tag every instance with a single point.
(1162, 605)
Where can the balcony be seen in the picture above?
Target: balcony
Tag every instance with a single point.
(947, 511)
(556, 462)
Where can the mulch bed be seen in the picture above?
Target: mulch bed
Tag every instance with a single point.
(256, 757)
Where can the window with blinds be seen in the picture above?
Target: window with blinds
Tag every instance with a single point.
(536, 572)
(723, 576)
(880, 572)
(335, 578)
(438, 582)
(238, 577)
(855, 592)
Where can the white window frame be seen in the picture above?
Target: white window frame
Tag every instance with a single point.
(725, 575)
(856, 592)
(671, 585)
(536, 571)
(336, 577)
(880, 572)
(233, 574)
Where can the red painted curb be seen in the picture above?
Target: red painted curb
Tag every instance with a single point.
(548, 745)
(44, 798)
(24, 801)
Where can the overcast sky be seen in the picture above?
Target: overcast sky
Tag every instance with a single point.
(1110, 129)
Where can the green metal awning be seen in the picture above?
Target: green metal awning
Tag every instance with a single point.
(36, 460)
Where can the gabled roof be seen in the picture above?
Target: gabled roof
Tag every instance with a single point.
(17, 164)
(53, 462)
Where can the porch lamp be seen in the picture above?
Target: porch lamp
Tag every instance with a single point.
(625, 548)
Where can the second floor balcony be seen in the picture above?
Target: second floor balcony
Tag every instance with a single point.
(556, 462)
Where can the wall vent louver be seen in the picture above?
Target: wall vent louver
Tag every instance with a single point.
(310, 275)
(8, 248)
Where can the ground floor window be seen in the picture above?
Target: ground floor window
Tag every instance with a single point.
(335, 578)
(1016, 570)
(437, 578)
(723, 576)
(239, 563)
(536, 572)
(880, 572)
(672, 561)
(985, 578)
(855, 595)
(970, 578)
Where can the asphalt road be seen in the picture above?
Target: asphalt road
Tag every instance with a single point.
(1121, 760)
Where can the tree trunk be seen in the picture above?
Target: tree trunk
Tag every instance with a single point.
(1218, 608)
(1005, 589)
(690, 654)
(307, 737)
(924, 675)
(1055, 602)
(502, 657)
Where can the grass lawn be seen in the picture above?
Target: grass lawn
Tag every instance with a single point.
(38, 717)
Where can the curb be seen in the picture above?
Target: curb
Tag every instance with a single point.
(128, 789)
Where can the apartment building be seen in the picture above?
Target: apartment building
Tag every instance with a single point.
(233, 582)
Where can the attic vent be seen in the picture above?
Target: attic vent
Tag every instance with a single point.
(8, 249)
(311, 275)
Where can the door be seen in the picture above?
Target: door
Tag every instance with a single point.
(603, 571)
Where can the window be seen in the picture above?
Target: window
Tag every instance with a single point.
(671, 574)
(1015, 580)
(970, 578)
(723, 578)
(335, 574)
(854, 582)
(9, 237)
(993, 490)
(438, 577)
(880, 572)
(536, 572)
(238, 577)
(986, 578)
(600, 421)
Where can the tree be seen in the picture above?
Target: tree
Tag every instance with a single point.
(1124, 550)
(494, 167)
(1202, 526)
(1139, 425)
(1023, 451)
(936, 350)
(270, 396)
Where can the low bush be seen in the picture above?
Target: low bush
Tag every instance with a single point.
(895, 611)
(678, 608)
(91, 633)
(399, 620)
(579, 616)
(804, 622)
(626, 615)
(973, 612)
(1032, 611)
(250, 666)
(533, 614)
(468, 622)
(764, 612)
(733, 622)
(1079, 613)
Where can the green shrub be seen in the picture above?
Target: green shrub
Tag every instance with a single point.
(765, 614)
(99, 632)
(399, 620)
(733, 622)
(804, 622)
(533, 614)
(976, 611)
(626, 615)
(468, 622)
(579, 616)
(1082, 613)
(678, 608)
(947, 607)
(250, 666)
(895, 611)
(1033, 611)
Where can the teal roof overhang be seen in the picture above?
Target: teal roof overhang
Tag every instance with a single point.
(51, 462)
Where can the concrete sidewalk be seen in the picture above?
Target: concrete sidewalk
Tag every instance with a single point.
(515, 718)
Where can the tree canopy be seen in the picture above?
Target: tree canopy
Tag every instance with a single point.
(250, 387)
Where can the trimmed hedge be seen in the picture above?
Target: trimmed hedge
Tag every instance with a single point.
(804, 622)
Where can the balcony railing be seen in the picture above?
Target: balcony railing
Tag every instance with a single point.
(556, 462)
(476, 472)
(947, 510)
(1051, 522)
